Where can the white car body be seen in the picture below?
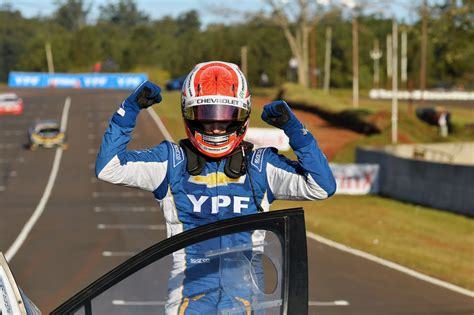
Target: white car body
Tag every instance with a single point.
(10, 103)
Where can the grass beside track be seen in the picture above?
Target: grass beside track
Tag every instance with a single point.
(436, 243)
(433, 242)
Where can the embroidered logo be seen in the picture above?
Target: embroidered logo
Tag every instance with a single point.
(257, 159)
(178, 155)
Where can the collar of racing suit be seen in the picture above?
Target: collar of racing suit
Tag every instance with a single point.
(235, 165)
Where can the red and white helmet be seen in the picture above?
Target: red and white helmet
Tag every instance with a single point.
(215, 103)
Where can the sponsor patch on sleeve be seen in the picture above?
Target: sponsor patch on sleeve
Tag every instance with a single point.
(178, 154)
(121, 111)
(257, 158)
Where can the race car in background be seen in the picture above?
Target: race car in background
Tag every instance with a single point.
(46, 134)
(10, 103)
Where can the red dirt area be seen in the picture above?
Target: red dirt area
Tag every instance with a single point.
(331, 139)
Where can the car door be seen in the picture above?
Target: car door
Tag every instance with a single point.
(266, 274)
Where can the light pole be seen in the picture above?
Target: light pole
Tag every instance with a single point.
(243, 59)
(403, 61)
(389, 57)
(312, 52)
(376, 54)
(395, 82)
(327, 60)
(424, 44)
(355, 62)
(49, 57)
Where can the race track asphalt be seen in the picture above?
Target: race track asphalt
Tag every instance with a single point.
(88, 227)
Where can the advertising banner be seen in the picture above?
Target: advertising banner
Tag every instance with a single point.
(423, 95)
(268, 137)
(76, 81)
(356, 179)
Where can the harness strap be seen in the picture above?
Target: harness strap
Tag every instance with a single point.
(234, 166)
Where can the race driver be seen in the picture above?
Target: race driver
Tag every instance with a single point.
(212, 175)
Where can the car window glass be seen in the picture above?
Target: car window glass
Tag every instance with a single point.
(48, 132)
(9, 98)
(80, 311)
(231, 274)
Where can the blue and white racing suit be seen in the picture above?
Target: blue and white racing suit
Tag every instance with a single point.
(189, 201)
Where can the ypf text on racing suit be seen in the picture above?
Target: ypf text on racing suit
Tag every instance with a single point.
(189, 199)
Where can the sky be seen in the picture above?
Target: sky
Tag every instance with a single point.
(154, 8)
(206, 8)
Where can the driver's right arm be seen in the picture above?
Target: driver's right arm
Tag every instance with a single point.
(145, 169)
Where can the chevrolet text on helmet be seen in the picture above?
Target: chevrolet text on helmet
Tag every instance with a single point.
(216, 105)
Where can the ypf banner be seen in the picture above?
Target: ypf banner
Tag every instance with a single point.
(76, 81)
(356, 179)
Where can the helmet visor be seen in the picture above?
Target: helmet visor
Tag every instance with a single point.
(215, 113)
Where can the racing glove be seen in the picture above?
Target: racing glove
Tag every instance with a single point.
(145, 95)
(279, 115)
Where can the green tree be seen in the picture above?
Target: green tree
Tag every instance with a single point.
(124, 13)
(71, 14)
(85, 48)
(34, 56)
(451, 34)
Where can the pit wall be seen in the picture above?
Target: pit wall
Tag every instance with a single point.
(437, 185)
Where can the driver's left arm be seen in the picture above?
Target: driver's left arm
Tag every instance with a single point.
(309, 178)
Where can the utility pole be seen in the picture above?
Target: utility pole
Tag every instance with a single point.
(327, 60)
(312, 48)
(424, 43)
(403, 61)
(355, 62)
(389, 57)
(243, 59)
(395, 82)
(49, 57)
(376, 54)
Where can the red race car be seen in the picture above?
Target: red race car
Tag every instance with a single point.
(10, 103)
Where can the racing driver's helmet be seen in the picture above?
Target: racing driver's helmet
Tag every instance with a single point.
(215, 103)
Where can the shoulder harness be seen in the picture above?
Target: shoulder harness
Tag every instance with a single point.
(235, 164)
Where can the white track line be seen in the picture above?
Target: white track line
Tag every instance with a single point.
(47, 192)
(19, 159)
(102, 226)
(124, 194)
(65, 115)
(126, 209)
(9, 145)
(12, 133)
(138, 303)
(118, 254)
(159, 123)
(331, 303)
(390, 265)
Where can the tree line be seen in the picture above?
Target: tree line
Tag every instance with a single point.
(124, 39)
